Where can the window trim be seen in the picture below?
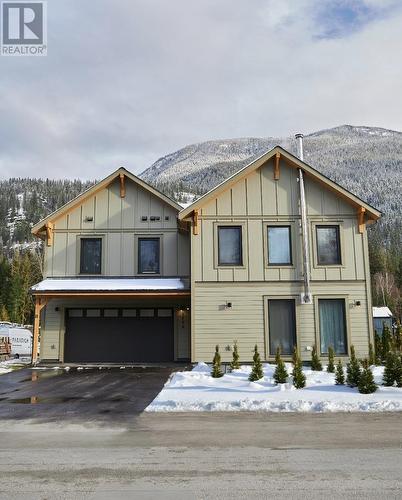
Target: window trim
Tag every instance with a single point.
(325, 223)
(243, 233)
(289, 225)
(78, 253)
(139, 238)
(268, 355)
(346, 299)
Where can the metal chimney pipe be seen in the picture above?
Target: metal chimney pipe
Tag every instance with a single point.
(299, 143)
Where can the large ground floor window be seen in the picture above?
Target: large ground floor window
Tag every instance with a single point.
(332, 325)
(282, 325)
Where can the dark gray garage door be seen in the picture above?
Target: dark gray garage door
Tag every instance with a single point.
(118, 335)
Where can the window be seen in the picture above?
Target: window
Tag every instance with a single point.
(230, 246)
(332, 325)
(148, 255)
(91, 256)
(282, 325)
(328, 245)
(279, 246)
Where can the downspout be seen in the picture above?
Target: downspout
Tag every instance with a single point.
(306, 296)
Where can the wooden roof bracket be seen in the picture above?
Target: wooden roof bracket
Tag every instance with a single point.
(49, 233)
(122, 185)
(195, 222)
(276, 166)
(361, 219)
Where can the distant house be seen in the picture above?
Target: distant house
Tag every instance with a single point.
(382, 316)
(276, 255)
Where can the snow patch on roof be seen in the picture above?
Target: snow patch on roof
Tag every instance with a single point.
(382, 312)
(109, 284)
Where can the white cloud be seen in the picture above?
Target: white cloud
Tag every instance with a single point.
(129, 81)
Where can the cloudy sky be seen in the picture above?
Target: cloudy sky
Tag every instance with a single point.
(128, 81)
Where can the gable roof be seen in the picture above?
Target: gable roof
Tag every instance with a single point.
(40, 226)
(372, 213)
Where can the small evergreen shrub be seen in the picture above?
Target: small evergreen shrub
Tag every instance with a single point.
(390, 375)
(353, 369)
(339, 374)
(386, 341)
(299, 379)
(377, 348)
(256, 371)
(278, 354)
(315, 360)
(280, 374)
(366, 383)
(398, 337)
(235, 364)
(331, 363)
(216, 364)
(371, 358)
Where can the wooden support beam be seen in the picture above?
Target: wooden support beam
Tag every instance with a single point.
(195, 222)
(122, 185)
(49, 233)
(276, 166)
(361, 219)
(40, 303)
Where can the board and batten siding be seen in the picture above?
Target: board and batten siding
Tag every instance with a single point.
(254, 202)
(118, 221)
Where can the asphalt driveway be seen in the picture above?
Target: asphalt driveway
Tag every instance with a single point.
(108, 395)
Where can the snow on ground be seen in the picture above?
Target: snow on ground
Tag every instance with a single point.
(12, 364)
(198, 391)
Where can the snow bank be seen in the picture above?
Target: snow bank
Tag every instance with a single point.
(198, 391)
(12, 364)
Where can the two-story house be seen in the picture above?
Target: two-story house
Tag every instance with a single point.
(278, 256)
(116, 269)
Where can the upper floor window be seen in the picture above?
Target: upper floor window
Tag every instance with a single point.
(91, 256)
(148, 256)
(230, 246)
(328, 245)
(279, 246)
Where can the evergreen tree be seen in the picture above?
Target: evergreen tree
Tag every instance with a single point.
(366, 383)
(256, 371)
(216, 364)
(331, 364)
(353, 369)
(377, 348)
(386, 341)
(398, 336)
(278, 355)
(398, 370)
(3, 313)
(315, 360)
(390, 376)
(235, 364)
(371, 355)
(299, 379)
(280, 374)
(339, 375)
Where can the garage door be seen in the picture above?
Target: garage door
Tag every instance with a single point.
(118, 335)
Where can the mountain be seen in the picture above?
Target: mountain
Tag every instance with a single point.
(364, 160)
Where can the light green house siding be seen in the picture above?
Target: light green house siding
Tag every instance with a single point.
(253, 203)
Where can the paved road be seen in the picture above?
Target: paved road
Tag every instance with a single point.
(199, 456)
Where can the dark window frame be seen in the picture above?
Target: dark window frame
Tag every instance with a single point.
(230, 264)
(150, 238)
(280, 264)
(83, 240)
(345, 325)
(292, 301)
(338, 239)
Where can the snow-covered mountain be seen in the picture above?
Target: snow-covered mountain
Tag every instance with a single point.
(365, 160)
